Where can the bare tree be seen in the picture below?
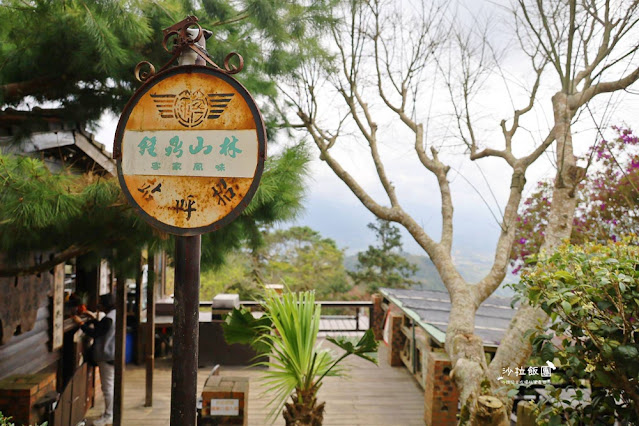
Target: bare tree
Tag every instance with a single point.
(576, 50)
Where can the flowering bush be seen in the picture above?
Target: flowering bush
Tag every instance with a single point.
(609, 199)
(591, 293)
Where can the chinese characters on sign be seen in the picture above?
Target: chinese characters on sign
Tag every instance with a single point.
(223, 192)
(225, 407)
(190, 153)
(57, 316)
(544, 371)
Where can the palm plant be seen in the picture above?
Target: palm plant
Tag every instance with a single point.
(287, 334)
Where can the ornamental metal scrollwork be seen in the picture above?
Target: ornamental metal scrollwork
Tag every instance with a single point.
(143, 76)
(181, 42)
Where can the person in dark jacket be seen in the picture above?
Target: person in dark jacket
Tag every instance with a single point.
(103, 334)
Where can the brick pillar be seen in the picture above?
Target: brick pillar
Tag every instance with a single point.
(377, 320)
(397, 340)
(18, 394)
(441, 396)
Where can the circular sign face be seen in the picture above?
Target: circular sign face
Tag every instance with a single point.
(190, 149)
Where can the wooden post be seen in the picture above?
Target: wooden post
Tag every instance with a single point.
(163, 260)
(120, 348)
(150, 323)
(185, 331)
(186, 316)
(139, 337)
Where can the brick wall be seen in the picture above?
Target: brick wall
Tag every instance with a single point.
(18, 394)
(397, 339)
(377, 320)
(441, 396)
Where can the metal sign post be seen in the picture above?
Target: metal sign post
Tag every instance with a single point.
(190, 146)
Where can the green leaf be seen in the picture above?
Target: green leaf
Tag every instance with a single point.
(602, 377)
(241, 327)
(555, 420)
(548, 352)
(533, 295)
(627, 352)
(566, 306)
(513, 392)
(365, 348)
(564, 275)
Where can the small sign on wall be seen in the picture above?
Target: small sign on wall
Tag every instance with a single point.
(104, 277)
(57, 315)
(225, 407)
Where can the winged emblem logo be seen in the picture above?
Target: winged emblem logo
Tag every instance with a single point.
(191, 108)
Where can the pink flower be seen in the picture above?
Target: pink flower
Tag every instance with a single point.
(522, 241)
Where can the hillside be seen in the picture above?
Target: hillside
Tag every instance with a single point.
(471, 269)
(426, 275)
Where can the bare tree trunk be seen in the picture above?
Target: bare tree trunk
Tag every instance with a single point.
(470, 370)
(514, 350)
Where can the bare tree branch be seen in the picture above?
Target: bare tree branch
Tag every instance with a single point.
(579, 99)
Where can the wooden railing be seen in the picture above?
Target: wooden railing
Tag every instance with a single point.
(355, 305)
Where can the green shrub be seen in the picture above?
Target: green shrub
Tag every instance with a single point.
(591, 293)
(6, 420)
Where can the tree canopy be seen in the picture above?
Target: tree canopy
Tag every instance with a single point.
(298, 257)
(68, 214)
(383, 265)
(79, 56)
(62, 213)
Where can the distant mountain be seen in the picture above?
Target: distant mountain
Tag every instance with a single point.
(426, 275)
(472, 269)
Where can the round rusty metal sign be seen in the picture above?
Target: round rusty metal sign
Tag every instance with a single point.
(190, 148)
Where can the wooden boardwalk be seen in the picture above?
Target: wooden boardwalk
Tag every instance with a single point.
(369, 396)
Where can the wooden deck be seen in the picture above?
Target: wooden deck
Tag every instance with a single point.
(370, 396)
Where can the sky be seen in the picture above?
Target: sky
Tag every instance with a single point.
(479, 188)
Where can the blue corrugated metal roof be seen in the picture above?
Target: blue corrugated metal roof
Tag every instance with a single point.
(432, 308)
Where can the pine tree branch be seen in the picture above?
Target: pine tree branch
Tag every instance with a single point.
(240, 17)
(12, 92)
